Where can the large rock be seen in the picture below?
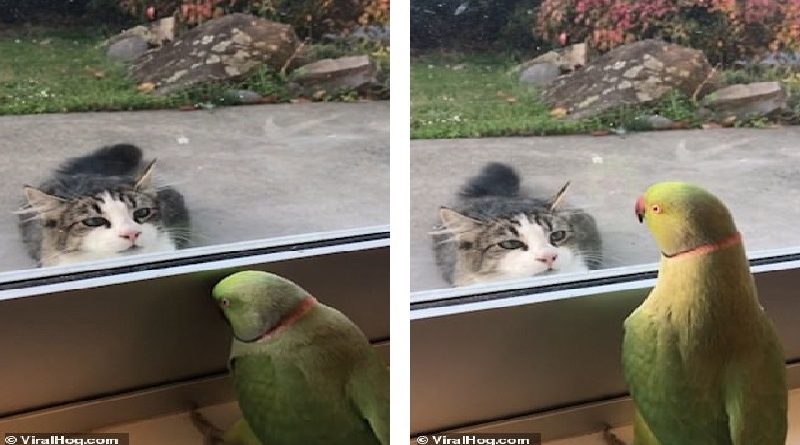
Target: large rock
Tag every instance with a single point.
(632, 74)
(348, 73)
(224, 48)
(127, 49)
(744, 100)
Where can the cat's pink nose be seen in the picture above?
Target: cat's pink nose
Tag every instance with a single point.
(131, 235)
(547, 258)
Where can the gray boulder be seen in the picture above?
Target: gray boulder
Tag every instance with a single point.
(221, 49)
(343, 73)
(637, 73)
(747, 100)
(128, 49)
(540, 74)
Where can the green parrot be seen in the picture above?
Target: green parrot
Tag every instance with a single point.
(702, 361)
(303, 372)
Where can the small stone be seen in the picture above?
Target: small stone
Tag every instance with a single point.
(127, 49)
(657, 122)
(540, 74)
(242, 97)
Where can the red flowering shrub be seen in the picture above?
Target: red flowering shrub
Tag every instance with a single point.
(307, 16)
(726, 30)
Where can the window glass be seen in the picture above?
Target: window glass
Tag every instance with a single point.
(125, 131)
(516, 99)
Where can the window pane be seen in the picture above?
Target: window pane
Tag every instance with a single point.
(167, 82)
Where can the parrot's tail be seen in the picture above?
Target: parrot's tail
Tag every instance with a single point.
(113, 160)
(495, 179)
(610, 438)
(211, 434)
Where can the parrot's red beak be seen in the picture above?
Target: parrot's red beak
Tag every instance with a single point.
(640, 208)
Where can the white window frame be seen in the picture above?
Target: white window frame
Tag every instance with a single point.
(102, 343)
(542, 355)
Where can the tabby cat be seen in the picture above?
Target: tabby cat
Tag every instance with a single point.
(497, 232)
(102, 205)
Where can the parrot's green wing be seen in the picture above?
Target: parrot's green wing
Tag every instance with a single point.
(753, 384)
(368, 388)
(240, 434)
(641, 432)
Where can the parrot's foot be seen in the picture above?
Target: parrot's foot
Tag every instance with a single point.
(211, 434)
(611, 438)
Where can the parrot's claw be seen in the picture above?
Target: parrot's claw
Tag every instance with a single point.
(609, 437)
(211, 434)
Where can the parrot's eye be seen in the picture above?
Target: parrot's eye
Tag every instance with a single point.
(225, 302)
(656, 208)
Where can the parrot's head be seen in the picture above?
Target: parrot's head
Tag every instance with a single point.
(683, 217)
(255, 302)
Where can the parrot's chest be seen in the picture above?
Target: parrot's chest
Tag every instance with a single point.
(287, 403)
(677, 389)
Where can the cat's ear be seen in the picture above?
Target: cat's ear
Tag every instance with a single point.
(145, 180)
(40, 201)
(556, 200)
(456, 222)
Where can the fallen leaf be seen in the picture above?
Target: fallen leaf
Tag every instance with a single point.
(96, 73)
(271, 99)
(711, 126)
(601, 133)
(679, 125)
(558, 113)
(146, 87)
(729, 121)
(187, 108)
(318, 95)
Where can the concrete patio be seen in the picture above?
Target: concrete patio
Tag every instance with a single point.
(247, 173)
(756, 172)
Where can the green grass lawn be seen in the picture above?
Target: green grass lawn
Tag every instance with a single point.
(45, 71)
(56, 72)
(458, 96)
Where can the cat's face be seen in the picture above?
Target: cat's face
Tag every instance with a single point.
(517, 247)
(111, 223)
(105, 224)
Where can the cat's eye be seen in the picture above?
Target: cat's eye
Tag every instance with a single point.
(558, 236)
(142, 213)
(511, 244)
(95, 221)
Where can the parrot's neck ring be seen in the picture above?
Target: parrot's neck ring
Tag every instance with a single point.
(732, 240)
(299, 310)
